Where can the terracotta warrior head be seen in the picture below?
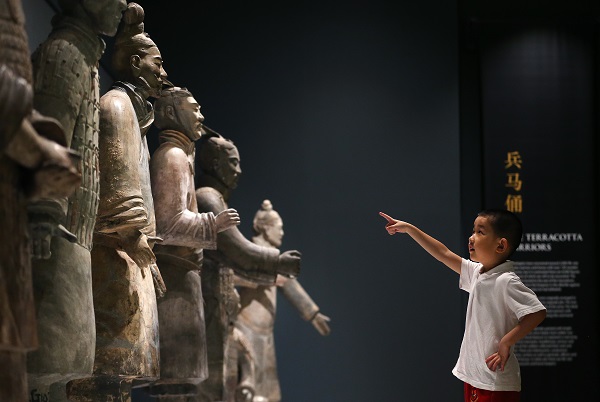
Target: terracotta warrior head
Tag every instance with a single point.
(103, 15)
(136, 58)
(176, 109)
(219, 158)
(268, 224)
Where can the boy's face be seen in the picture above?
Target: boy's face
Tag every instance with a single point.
(484, 245)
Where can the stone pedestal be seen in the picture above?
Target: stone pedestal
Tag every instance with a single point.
(176, 390)
(103, 388)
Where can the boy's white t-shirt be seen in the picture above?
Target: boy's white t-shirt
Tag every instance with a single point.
(497, 302)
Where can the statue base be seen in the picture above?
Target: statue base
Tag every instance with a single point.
(175, 390)
(50, 387)
(102, 388)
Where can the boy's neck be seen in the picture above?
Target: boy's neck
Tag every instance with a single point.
(492, 265)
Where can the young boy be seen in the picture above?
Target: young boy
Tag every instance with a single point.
(501, 310)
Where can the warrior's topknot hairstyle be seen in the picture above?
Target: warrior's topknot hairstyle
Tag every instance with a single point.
(130, 40)
(265, 216)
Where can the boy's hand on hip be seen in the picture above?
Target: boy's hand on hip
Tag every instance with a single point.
(499, 358)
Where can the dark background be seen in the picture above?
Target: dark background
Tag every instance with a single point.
(342, 109)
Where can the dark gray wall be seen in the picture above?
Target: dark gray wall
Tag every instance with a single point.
(340, 110)
(38, 14)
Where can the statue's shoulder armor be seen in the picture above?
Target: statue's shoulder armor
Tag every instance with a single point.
(60, 71)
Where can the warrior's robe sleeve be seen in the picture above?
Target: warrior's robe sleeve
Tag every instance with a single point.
(298, 297)
(121, 205)
(247, 259)
(172, 191)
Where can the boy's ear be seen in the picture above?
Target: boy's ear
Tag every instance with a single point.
(502, 245)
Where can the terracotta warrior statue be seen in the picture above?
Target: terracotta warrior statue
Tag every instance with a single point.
(185, 233)
(123, 264)
(257, 316)
(66, 87)
(33, 166)
(218, 161)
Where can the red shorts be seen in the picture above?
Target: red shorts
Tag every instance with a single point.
(473, 394)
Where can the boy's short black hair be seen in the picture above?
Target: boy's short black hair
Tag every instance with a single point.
(505, 224)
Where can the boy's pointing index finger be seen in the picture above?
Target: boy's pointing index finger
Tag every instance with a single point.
(387, 217)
